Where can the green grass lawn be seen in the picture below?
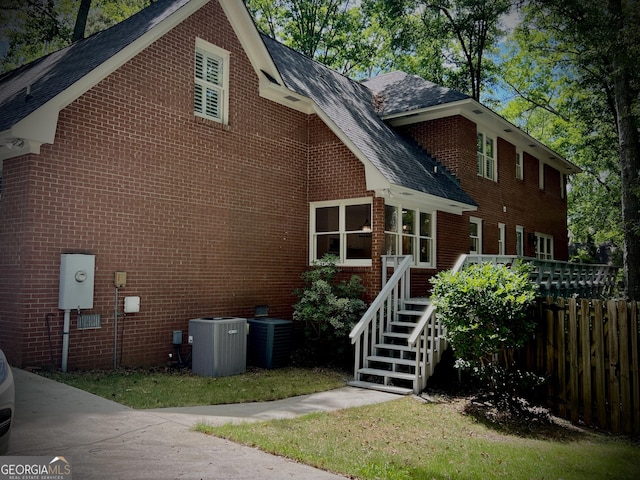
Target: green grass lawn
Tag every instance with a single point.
(159, 388)
(410, 439)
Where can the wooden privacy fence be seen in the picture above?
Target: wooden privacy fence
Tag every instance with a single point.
(588, 349)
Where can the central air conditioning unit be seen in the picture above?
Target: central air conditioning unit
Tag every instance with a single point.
(218, 346)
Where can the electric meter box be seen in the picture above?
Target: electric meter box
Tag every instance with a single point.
(76, 281)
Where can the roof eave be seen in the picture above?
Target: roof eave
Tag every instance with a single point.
(40, 126)
(479, 114)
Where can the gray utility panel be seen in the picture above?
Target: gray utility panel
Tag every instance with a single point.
(219, 346)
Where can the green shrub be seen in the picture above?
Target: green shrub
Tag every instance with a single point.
(329, 309)
(484, 308)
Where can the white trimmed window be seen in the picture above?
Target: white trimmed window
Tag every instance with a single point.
(410, 232)
(475, 236)
(502, 239)
(544, 246)
(520, 240)
(519, 166)
(211, 90)
(486, 150)
(343, 229)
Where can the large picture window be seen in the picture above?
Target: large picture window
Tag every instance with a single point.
(211, 82)
(342, 229)
(410, 232)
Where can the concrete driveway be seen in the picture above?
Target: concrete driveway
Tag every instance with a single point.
(105, 440)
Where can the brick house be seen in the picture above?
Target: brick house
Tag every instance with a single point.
(212, 165)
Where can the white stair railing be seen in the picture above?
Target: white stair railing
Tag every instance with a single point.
(368, 331)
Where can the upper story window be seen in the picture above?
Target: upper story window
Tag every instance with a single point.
(486, 150)
(520, 240)
(342, 228)
(410, 232)
(519, 166)
(544, 246)
(211, 91)
(475, 236)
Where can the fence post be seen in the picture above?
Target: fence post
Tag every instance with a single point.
(574, 391)
(614, 380)
(585, 340)
(598, 338)
(625, 379)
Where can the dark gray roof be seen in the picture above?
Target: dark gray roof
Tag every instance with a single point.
(54, 73)
(399, 92)
(349, 105)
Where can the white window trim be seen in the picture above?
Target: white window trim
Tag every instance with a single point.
(342, 204)
(539, 238)
(224, 56)
(502, 239)
(520, 230)
(519, 164)
(477, 221)
(494, 158)
(434, 229)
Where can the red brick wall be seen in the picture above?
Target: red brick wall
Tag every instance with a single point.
(452, 141)
(335, 173)
(205, 219)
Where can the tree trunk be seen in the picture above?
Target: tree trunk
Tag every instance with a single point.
(81, 20)
(629, 145)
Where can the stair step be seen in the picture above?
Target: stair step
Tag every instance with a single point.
(397, 335)
(420, 301)
(395, 361)
(387, 374)
(410, 313)
(402, 324)
(390, 346)
(382, 388)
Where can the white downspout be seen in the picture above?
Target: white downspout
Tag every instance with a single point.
(65, 339)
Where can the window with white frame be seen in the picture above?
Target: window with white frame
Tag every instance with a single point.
(343, 229)
(410, 232)
(486, 151)
(211, 90)
(475, 236)
(519, 166)
(520, 240)
(502, 239)
(544, 246)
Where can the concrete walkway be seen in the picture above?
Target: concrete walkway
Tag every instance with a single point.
(105, 440)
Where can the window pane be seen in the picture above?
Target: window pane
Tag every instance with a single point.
(489, 147)
(425, 224)
(473, 229)
(489, 170)
(408, 224)
(199, 66)
(214, 70)
(358, 246)
(391, 244)
(479, 143)
(473, 247)
(213, 103)
(327, 219)
(358, 217)
(480, 164)
(327, 244)
(390, 218)
(425, 250)
(407, 245)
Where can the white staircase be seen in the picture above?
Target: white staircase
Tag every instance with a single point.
(392, 365)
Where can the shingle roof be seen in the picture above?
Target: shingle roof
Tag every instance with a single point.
(350, 105)
(54, 73)
(399, 92)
